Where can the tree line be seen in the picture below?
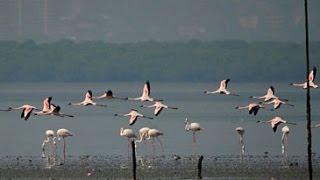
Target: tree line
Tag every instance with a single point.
(98, 61)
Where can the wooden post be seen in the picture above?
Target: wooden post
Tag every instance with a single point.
(134, 163)
(200, 167)
(309, 139)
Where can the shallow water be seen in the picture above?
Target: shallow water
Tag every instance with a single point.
(96, 130)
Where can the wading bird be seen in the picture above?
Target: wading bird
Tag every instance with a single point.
(109, 95)
(129, 134)
(159, 107)
(267, 97)
(194, 127)
(87, 101)
(64, 133)
(133, 116)
(311, 78)
(145, 94)
(241, 131)
(284, 142)
(277, 103)
(222, 89)
(49, 140)
(143, 134)
(275, 122)
(253, 108)
(154, 134)
(26, 110)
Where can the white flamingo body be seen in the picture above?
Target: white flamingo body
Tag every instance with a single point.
(268, 96)
(133, 116)
(64, 133)
(194, 127)
(253, 108)
(87, 101)
(145, 94)
(275, 122)
(222, 88)
(26, 111)
(284, 142)
(128, 133)
(143, 133)
(277, 103)
(158, 107)
(241, 131)
(311, 79)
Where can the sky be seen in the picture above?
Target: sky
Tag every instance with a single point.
(160, 20)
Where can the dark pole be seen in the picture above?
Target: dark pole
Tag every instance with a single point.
(200, 167)
(134, 163)
(308, 92)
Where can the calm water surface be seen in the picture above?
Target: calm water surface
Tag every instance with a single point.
(96, 129)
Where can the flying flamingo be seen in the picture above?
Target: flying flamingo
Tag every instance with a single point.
(277, 103)
(154, 134)
(87, 101)
(194, 127)
(267, 97)
(316, 126)
(284, 142)
(159, 107)
(253, 108)
(145, 94)
(129, 134)
(133, 116)
(50, 139)
(64, 133)
(222, 89)
(26, 110)
(275, 122)
(109, 95)
(55, 111)
(241, 131)
(311, 78)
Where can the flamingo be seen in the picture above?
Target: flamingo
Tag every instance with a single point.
(129, 134)
(51, 109)
(143, 134)
(154, 134)
(87, 101)
(222, 89)
(277, 103)
(26, 111)
(284, 142)
(64, 133)
(316, 126)
(55, 111)
(275, 122)
(145, 94)
(50, 139)
(267, 97)
(133, 116)
(109, 95)
(241, 132)
(311, 78)
(159, 107)
(194, 127)
(252, 108)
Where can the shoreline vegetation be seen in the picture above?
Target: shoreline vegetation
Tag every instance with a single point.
(159, 167)
(98, 61)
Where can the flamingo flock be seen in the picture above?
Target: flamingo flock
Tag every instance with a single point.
(152, 134)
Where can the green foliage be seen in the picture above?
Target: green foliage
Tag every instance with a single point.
(95, 61)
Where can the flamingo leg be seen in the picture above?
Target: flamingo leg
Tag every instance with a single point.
(153, 148)
(194, 145)
(242, 149)
(128, 152)
(160, 142)
(64, 150)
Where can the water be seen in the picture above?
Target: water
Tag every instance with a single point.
(96, 129)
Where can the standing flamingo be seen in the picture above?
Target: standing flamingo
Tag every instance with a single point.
(311, 78)
(26, 111)
(145, 94)
(129, 134)
(133, 116)
(154, 134)
(64, 133)
(277, 103)
(87, 101)
(194, 127)
(284, 142)
(222, 89)
(253, 108)
(159, 107)
(241, 131)
(275, 122)
(49, 139)
(109, 95)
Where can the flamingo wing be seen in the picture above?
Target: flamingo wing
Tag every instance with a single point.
(47, 104)
(132, 119)
(26, 113)
(312, 74)
(157, 110)
(270, 90)
(88, 95)
(109, 94)
(146, 89)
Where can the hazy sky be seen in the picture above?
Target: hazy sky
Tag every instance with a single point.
(163, 20)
